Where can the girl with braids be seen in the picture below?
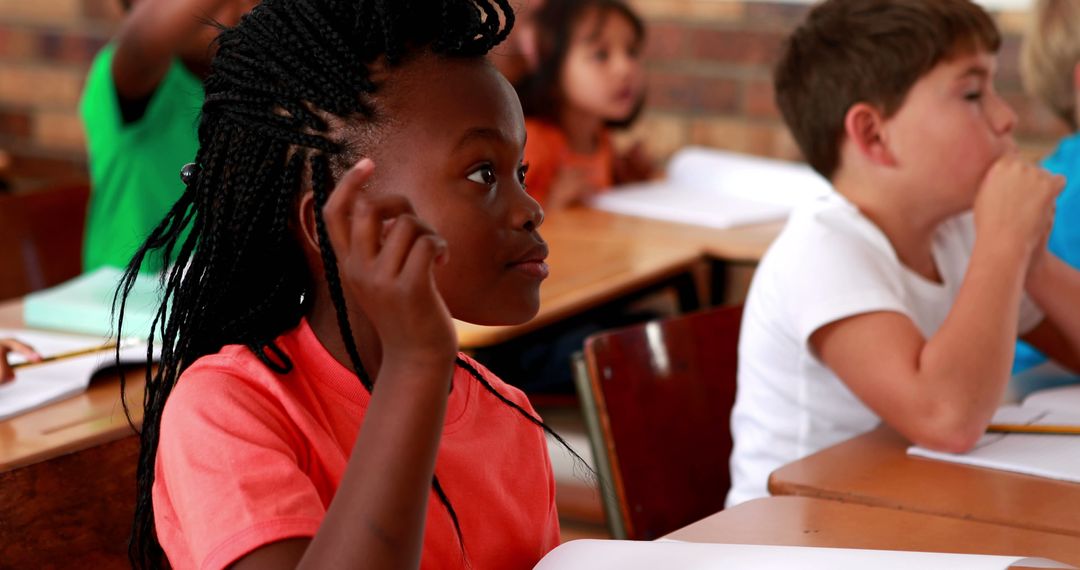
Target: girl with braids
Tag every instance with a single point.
(358, 183)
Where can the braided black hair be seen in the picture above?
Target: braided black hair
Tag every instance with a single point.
(236, 273)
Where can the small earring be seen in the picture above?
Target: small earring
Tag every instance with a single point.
(188, 173)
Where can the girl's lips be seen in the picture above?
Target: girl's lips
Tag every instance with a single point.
(535, 268)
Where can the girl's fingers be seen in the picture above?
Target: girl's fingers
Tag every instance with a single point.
(10, 344)
(339, 206)
(400, 241)
(370, 214)
(7, 346)
(426, 251)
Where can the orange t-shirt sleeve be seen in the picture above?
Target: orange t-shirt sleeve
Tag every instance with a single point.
(228, 464)
(542, 149)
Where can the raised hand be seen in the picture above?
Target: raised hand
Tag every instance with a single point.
(385, 258)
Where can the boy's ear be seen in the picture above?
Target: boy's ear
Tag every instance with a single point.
(864, 127)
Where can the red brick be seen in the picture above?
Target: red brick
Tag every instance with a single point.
(1008, 70)
(17, 43)
(736, 46)
(775, 16)
(106, 10)
(665, 42)
(759, 99)
(14, 123)
(1034, 120)
(69, 47)
(683, 91)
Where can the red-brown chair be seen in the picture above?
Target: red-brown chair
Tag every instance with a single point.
(657, 400)
(41, 236)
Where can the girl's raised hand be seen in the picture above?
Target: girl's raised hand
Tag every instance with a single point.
(9, 345)
(386, 255)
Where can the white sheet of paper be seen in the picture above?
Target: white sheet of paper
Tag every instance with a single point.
(631, 555)
(38, 385)
(1041, 455)
(719, 189)
(1065, 399)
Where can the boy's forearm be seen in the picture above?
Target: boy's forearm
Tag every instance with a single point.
(967, 362)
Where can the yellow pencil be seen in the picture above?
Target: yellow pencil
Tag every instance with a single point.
(1043, 429)
(66, 355)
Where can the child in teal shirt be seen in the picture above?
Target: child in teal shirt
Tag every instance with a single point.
(1050, 64)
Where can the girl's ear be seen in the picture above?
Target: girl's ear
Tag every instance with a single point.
(864, 127)
(305, 213)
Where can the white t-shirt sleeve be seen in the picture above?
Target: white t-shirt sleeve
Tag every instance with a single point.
(850, 272)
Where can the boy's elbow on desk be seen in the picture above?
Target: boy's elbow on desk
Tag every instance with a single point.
(946, 431)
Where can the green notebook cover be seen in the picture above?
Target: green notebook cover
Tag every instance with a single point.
(84, 305)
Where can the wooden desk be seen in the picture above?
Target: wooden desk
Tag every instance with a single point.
(598, 257)
(92, 418)
(874, 469)
(802, 521)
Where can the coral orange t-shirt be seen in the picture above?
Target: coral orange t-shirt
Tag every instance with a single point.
(248, 457)
(547, 151)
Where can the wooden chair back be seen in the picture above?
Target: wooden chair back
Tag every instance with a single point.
(41, 236)
(657, 399)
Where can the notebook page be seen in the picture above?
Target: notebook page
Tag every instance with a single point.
(664, 201)
(1051, 456)
(41, 384)
(1065, 399)
(718, 189)
(749, 177)
(631, 555)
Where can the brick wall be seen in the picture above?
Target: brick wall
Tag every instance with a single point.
(708, 63)
(709, 68)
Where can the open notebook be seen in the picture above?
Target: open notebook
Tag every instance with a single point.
(631, 555)
(1052, 456)
(718, 189)
(44, 383)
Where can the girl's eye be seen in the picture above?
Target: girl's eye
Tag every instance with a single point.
(522, 170)
(483, 175)
(973, 96)
(601, 55)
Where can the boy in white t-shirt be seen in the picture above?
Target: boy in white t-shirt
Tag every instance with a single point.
(900, 297)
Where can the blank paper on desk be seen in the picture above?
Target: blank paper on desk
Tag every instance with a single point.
(718, 189)
(1041, 455)
(41, 384)
(629, 555)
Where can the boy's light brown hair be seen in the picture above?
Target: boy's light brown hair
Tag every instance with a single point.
(1050, 53)
(867, 51)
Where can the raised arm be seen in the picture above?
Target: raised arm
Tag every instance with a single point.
(941, 392)
(156, 31)
(376, 519)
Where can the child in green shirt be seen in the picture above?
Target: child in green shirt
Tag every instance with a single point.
(140, 109)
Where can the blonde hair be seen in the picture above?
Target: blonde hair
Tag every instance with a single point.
(1050, 52)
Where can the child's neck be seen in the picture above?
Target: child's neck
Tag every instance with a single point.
(323, 321)
(582, 129)
(909, 226)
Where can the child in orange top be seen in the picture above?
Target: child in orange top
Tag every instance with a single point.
(358, 184)
(589, 79)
